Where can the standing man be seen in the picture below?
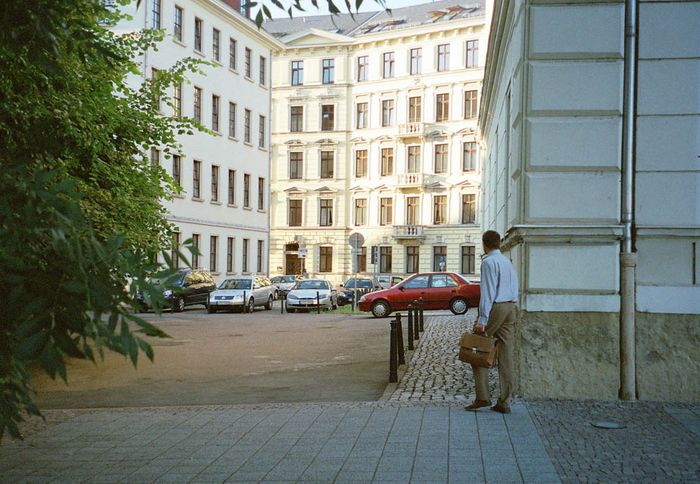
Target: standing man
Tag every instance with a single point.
(499, 295)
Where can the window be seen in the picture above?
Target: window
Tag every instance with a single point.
(215, 113)
(387, 167)
(155, 13)
(360, 163)
(294, 217)
(156, 96)
(442, 280)
(297, 73)
(246, 126)
(327, 164)
(361, 115)
(296, 165)
(470, 105)
(413, 165)
(325, 212)
(215, 44)
(469, 156)
(443, 63)
(386, 211)
(387, 112)
(442, 107)
(198, 34)
(245, 8)
(360, 215)
(416, 60)
(248, 63)
(362, 67)
(468, 259)
(213, 245)
(418, 282)
(468, 208)
(414, 109)
(261, 252)
(439, 261)
(174, 247)
(440, 209)
(472, 53)
(230, 244)
(232, 53)
(198, 104)
(441, 158)
(232, 187)
(388, 61)
(327, 117)
(263, 68)
(246, 244)
(246, 190)
(328, 71)
(296, 119)
(196, 178)
(261, 131)
(412, 212)
(195, 254)
(384, 259)
(361, 260)
(261, 194)
(177, 24)
(325, 260)
(177, 169)
(232, 120)
(177, 99)
(214, 183)
(412, 259)
(155, 157)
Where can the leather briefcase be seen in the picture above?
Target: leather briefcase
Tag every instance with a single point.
(477, 350)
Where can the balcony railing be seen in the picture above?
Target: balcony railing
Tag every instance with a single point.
(411, 129)
(408, 232)
(408, 180)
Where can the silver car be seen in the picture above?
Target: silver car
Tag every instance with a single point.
(285, 283)
(235, 292)
(311, 293)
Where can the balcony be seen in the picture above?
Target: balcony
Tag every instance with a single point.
(411, 130)
(408, 232)
(410, 180)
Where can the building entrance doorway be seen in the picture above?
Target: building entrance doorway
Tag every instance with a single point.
(293, 264)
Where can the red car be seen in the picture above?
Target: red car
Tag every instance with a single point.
(439, 290)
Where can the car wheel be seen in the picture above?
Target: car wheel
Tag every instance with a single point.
(380, 309)
(251, 305)
(179, 305)
(143, 308)
(211, 309)
(268, 306)
(459, 305)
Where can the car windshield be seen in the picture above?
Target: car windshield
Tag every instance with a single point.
(290, 278)
(235, 284)
(277, 279)
(358, 283)
(312, 285)
(383, 278)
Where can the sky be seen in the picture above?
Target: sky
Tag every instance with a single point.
(367, 6)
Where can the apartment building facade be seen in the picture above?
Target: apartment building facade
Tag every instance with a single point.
(374, 132)
(224, 205)
(590, 159)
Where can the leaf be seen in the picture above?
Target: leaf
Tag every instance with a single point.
(30, 348)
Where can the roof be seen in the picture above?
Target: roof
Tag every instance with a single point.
(371, 22)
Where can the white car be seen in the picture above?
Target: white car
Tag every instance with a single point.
(312, 293)
(235, 292)
(285, 283)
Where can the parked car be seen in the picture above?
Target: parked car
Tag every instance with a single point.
(193, 287)
(439, 290)
(303, 295)
(235, 292)
(388, 280)
(361, 285)
(285, 283)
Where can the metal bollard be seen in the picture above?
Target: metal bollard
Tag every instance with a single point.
(245, 302)
(410, 326)
(416, 329)
(399, 338)
(282, 299)
(420, 307)
(318, 303)
(393, 370)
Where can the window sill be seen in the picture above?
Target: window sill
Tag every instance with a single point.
(231, 205)
(230, 273)
(216, 202)
(262, 211)
(248, 208)
(248, 143)
(178, 195)
(179, 42)
(199, 53)
(249, 79)
(262, 86)
(235, 71)
(217, 62)
(217, 273)
(197, 199)
(262, 148)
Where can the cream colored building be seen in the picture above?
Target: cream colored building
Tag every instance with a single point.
(598, 212)
(374, 132)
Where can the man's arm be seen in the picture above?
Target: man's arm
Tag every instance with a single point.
(489, 283)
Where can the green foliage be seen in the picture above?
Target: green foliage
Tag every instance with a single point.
(80, 213)
(352, 7)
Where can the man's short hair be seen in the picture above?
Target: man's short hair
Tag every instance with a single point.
(491, 239)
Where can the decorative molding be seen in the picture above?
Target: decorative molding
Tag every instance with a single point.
(212, 223)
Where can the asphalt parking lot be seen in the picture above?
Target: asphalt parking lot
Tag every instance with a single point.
(233, 358)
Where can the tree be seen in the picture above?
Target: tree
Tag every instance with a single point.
(292, 6)
(80, 212)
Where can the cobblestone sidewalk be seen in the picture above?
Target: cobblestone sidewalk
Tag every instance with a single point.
(435, 372)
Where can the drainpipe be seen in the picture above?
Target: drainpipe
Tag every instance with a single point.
(628, 258)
